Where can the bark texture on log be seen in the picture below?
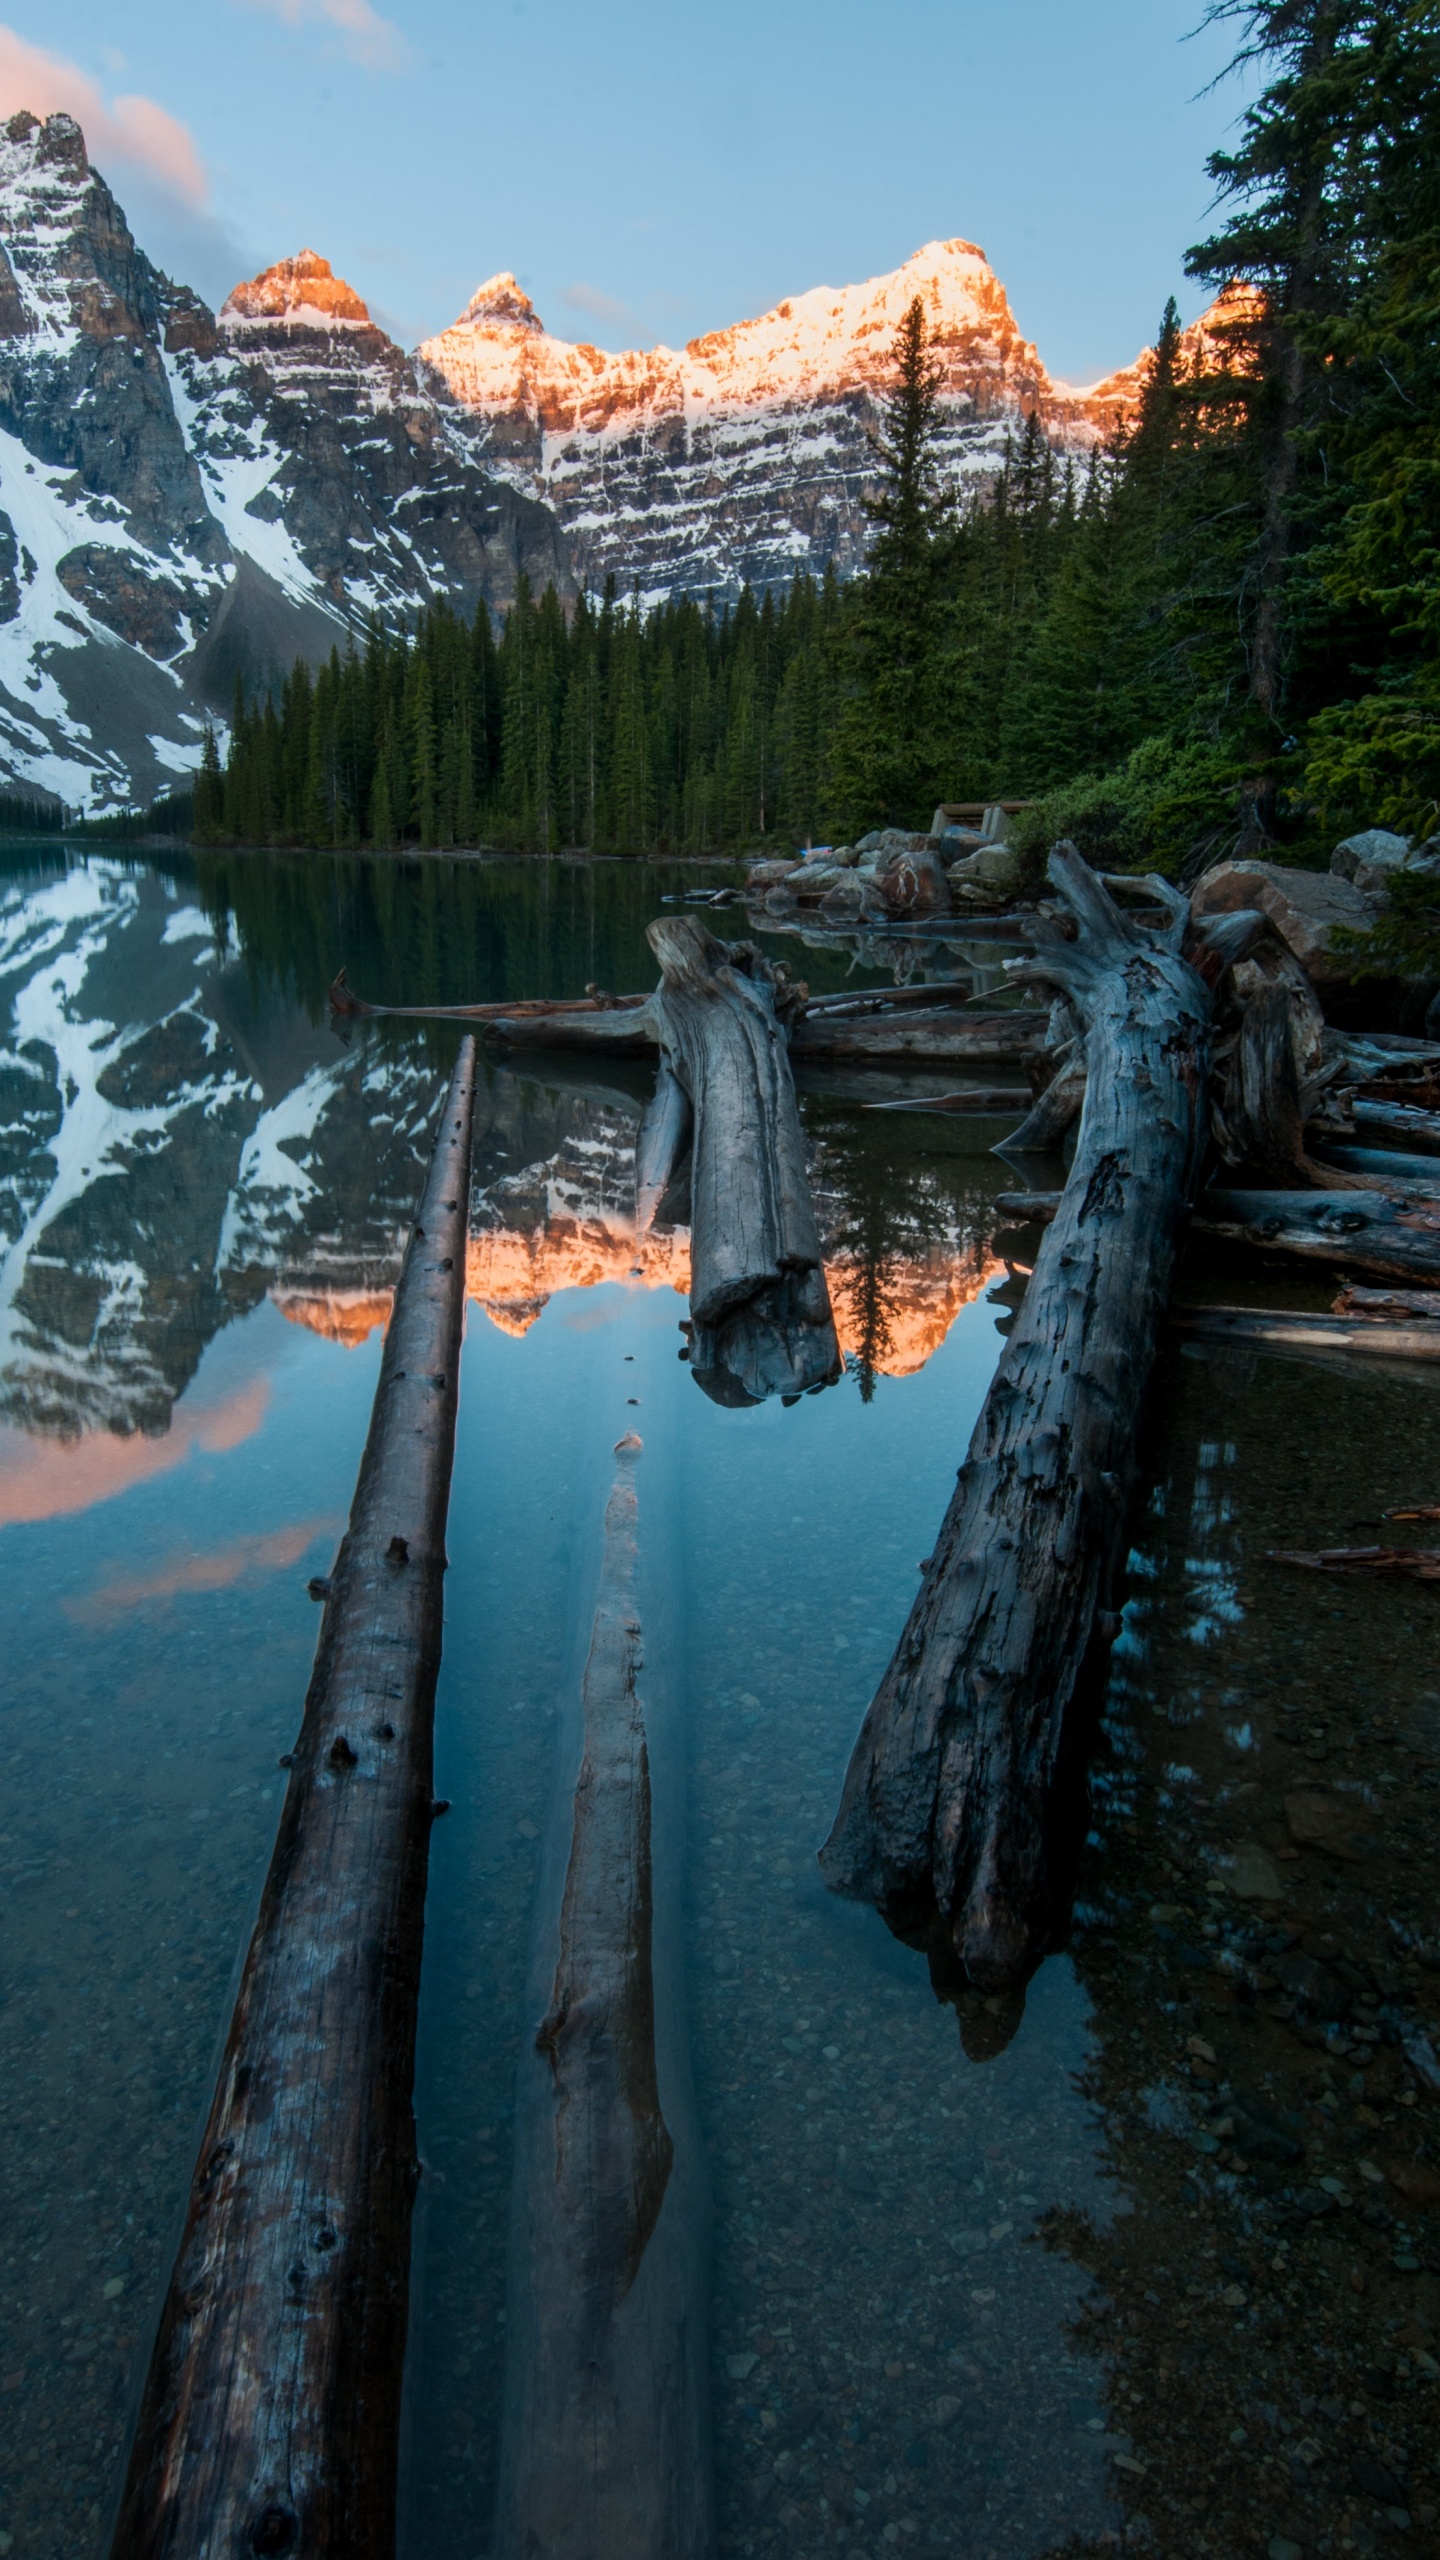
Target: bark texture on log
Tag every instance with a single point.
(605, 2443)
(270, 2418)
(1260, 1118)
(761, 1323)
(1375, 1231)
(984, 1040)
(942, 1821)
(1055, 1110)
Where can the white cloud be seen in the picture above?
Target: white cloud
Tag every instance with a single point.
(133, 130)
(363, 34)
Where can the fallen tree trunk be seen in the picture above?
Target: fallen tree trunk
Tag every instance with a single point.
(1421, 1129)
(1390, 1233)
(605, 2440)
(943, 1817)
(1355, 1230)
(1284, 1332)
(985, 1040)
(760, 1310)
(343, 1000)
(270, 2417)
(1369, 1166)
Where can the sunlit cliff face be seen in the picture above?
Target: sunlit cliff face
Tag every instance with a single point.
(893, 1317)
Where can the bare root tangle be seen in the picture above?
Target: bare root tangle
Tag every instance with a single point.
(761, 1323)
(944, 1814)
(271, 2414)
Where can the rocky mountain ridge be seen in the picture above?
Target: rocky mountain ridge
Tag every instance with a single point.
(746, 454)
(185, 498)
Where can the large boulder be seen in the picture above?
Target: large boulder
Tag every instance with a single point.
(1305, 907)
(854, 900)
(912, 883)
(1373, 858)
(989, 877)
(767, 875)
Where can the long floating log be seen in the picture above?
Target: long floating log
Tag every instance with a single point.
(1285, 1332)
(760, 1314)
(943, 1817)
(270, 2416)
(605, 2439)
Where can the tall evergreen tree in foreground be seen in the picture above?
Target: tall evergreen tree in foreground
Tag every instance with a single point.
(887, 758)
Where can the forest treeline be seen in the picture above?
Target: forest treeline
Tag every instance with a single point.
(1220, 628)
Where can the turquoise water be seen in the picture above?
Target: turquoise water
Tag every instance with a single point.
(977, 2307)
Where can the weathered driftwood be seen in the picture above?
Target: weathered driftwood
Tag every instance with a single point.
(1055, 1110)
(1374, 1231)
(1259, 1117)
(1408, 1564)
(942, 1034)
(605, 2441)
(1387, 1306)
(943, 1818)
(1393, 1234)
(759, 1308)
(1419, 1129)
(1281, 1331)
(666, 1128)
(1371, 1168)
(270, 2417)
(555, 1009)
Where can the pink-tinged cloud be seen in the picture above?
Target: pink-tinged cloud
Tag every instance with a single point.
(364, 36)
(133, 130)
(217, 1571)
(51, 1479)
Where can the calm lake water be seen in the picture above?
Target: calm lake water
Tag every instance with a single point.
(1151, 2265)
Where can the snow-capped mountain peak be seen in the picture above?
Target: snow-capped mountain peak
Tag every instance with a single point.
(301, 290)
(499, 303)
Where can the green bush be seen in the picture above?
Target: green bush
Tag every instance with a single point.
(1167, 806)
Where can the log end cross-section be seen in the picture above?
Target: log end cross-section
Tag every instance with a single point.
(945, 1817)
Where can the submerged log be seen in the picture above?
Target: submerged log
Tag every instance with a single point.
(1282, 1331)
(944, 1815)
(271, 2413)
(554, 1009)
(987, 1098)
(605, 2440)
(1408, 1564)
(760, 1310)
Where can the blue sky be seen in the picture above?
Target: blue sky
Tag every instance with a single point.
(651, 172)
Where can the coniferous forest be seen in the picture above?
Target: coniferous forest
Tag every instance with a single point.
(1222, 628)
